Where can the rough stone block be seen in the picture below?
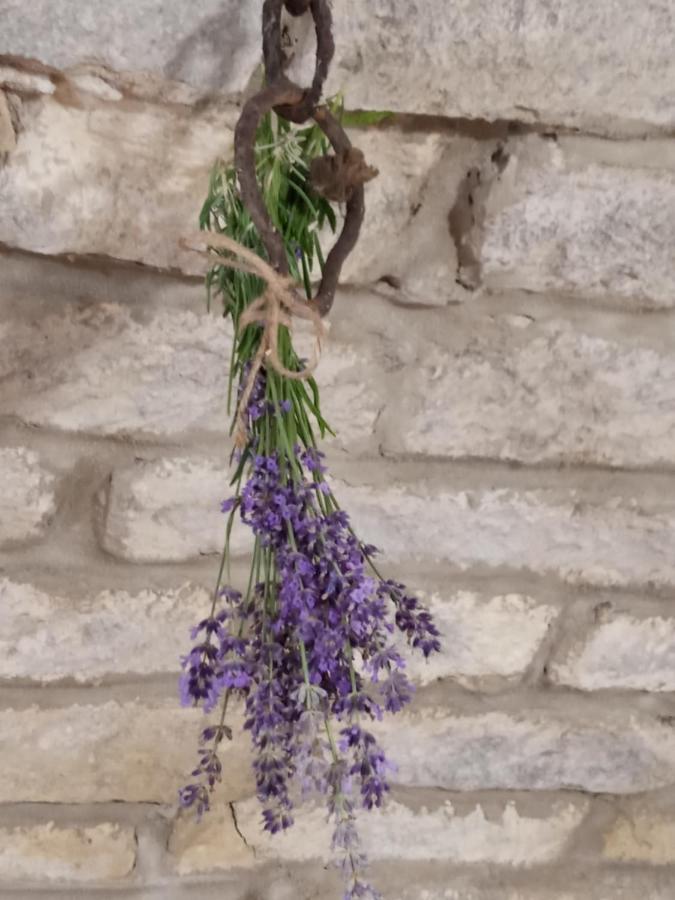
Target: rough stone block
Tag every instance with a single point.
(553, 749)
(598, 67)
(91, 636)
(108, 369)
(213, 843)
(150, 369)
(213, 46)
(442, 832)
(405, 239)
(119, 181)
(51, 635)
(641, 835)
(168, 510)
(619, 651)
(49, 853)
(561, 220)
(130, 751)
(484, 638)
(581, 536)
(27, 495)
(511, 388)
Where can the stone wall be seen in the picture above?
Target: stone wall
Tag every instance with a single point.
(501, 373)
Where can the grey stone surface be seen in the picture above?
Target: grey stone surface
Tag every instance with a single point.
(125, 181)
(583, 538)
(405, 237)
(137, 751)
(486, 640)
(536, 389)
(586, 227)
(27, 495)
(107, 369)
(122, 357)
(168, 510)
(600, 66)
(616, 751)
(506, 836)
(51, 635)
(48, 853)
(618, 650)
(212, 45)
(474, 439)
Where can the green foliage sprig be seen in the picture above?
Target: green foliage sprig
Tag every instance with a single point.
(283, 156)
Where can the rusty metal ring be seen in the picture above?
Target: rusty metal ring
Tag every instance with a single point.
(297, 7)
(274, 57)
(286, 92)
(355, 212)
(283, 92)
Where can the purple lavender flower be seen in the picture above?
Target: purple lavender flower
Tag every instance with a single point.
(311, 652)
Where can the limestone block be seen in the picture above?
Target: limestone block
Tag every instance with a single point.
(641, 835)
(599, 67)
(50, 853)
(213, 46)
(169, 510)
(442, 833)
(27, 495)
(134, 751)
(484, 638)
(212, 843)
(555, 391)
(619, 651)
(578, 536)
(59, 634)
(616, 751)
(588, 228)
(115, 180)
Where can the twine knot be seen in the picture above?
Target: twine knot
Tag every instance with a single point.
(277, 306)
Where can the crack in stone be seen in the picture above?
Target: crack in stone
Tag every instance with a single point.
(233, 813)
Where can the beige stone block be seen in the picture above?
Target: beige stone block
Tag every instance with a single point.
(593, 749)
(213, 46)
(118, 180)
(27, 495)
(590, 228)
(580, 536)
(619, 651)
(169, 510)
(213, 843)
(52, 853)
(112, 369)
(485, 639)
(443, 834)
(547, 391)
(133, 751)
(59, 634)
(598, 67)
(642, 838)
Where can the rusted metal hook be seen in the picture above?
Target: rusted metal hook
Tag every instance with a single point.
(298, 105)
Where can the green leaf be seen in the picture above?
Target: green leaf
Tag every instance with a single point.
(364, 118)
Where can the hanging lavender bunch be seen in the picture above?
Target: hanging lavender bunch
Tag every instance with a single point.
(310, 646)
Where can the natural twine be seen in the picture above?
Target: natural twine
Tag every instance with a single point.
(277, 306)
